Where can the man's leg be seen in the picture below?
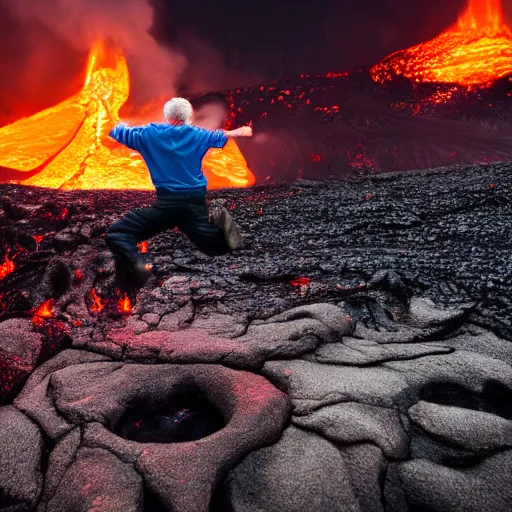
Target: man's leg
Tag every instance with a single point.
(123, 236)
(207, 236)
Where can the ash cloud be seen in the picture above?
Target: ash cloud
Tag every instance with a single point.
(155, 69)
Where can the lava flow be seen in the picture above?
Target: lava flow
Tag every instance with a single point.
(476, 51)
(67, 146)
(7, 267)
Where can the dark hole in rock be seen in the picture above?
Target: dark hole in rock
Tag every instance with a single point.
(185, 416)
(152, 503)
(495, 398)
(220, 501)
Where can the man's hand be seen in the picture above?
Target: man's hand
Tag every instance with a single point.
(245, 131)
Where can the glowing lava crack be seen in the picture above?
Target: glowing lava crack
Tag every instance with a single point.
(476, 51)
(67, 146)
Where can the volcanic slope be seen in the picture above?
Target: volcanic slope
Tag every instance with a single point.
(447, 232)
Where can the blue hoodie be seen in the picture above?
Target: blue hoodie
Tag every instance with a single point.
(173, 154)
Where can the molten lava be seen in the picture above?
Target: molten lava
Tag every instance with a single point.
(475, 51)
(7, 267)
(45, 310)
(124, 304)
(143, 247)
(68, 147)
(97, 304)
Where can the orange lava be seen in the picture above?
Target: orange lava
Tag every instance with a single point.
(475, 51)
(124, 305)
(67, 146)
(7, 267)
(45, 310)
(97, 304)
(143, 247)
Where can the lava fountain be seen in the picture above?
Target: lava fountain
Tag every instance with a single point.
(67, 146)
(476, 51)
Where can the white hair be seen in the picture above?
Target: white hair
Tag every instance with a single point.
(178, 109)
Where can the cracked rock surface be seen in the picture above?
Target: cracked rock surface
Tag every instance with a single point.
(344, 360)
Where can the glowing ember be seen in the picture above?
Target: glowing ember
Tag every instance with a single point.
(301, 281)
(143, 247)
(124, 304)
(67, 146)
(45, 310)
(475, 51)
(97, 304)
(7, 267)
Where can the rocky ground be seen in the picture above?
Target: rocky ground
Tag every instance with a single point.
(355, 355)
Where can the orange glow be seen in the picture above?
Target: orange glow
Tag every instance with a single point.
(124, 304)
(45, 310)
(474, 52)
(97, 304)
(301, 281)
(143, 247)
(67, 146)
(7, 267)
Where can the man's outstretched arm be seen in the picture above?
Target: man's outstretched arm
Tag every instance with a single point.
(129, 136)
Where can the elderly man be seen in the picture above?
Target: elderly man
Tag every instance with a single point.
(173, 152)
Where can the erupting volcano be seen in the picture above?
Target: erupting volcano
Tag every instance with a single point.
(476, 51)
(67, 146)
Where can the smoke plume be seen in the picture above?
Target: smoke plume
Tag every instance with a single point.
(155, 69)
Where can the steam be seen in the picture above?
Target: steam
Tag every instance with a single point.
(155, 69)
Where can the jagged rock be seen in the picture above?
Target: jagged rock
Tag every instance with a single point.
(178, 320)
(486, 486)
(366, 467)
(19, 344)
(311, 386)
(34, 399)
(222, 325)
(333, 317)
(151, 319)
(280, 478)
(99, 481)
(471, 430)
(422, 321)
(353, 423)
(466, 369)
(481, 341)
(393, 384)
(21, 449)
(68, 238)
(353, 352)
(60, 460)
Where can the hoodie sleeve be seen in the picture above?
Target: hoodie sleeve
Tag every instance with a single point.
(129, 136)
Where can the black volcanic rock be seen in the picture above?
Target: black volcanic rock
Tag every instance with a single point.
(379, 306)
(21, 444)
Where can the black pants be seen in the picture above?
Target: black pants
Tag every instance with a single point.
(188, 213)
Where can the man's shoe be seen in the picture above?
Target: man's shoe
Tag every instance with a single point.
(229, 227)
(143, 272)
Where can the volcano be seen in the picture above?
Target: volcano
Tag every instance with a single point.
(442, 102)
(476, 51)
(67, 146)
